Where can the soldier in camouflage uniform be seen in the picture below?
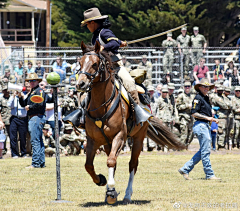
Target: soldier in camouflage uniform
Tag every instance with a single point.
(146, 65)
(7, 77)
(229, 125)
(198, 42)
(49, 142)
(168, 57)
(70, 103)
(184, 105)
(70, 141)
(5, 111)
(222, 113)
(164, 108)
(183, 41)
(236, 112)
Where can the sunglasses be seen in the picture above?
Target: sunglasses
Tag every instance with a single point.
(205, 87)
(237, 90)
(32, 81)
(187, 86)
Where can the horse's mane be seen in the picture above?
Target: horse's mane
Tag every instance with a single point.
(105, 54)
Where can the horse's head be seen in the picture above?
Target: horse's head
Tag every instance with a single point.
(92, 64)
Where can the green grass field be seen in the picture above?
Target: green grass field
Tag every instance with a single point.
(157, 184)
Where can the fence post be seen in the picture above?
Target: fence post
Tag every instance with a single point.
(181, 68)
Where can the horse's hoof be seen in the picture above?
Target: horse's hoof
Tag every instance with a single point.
(103, 180)
(127, 201)
(111, 200)
(111, 196)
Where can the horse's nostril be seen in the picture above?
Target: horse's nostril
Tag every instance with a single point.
(81, 84)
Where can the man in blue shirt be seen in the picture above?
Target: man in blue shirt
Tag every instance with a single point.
(18, 125)
(238, 44)
(40, 70)
(60, 67)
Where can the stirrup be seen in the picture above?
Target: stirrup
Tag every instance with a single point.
(141, 114)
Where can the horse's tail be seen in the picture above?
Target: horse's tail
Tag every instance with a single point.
(165, 137)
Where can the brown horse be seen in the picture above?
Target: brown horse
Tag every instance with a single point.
(110, 129)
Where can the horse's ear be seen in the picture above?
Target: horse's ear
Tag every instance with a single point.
(83, 47)
(97, 47)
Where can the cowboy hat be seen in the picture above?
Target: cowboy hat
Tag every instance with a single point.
(204, 82)
(33, 76)
(91, 15)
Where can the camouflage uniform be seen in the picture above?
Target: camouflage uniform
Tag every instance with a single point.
(223, 111)
(169, 54)
(147, 66)
(236, 112)
(164, 109)
(183, 104)
(184, 42)
(197, 45)
(6, 114)
(70, 141)
(126, 64)
(69, 104)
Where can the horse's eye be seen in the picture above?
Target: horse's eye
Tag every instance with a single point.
(94, 65)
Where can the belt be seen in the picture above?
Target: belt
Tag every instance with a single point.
(35, 115)
(20, 117)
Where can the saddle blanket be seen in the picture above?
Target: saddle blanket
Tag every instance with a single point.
(124, 95)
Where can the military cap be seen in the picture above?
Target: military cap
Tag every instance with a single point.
(66, 81)
(144, 56)
(33, 76)
(169, 34)
(68, 127)
(73, 83)
(184, 28)
(171, 86)
(187, 83)
(195, 28)
(227, 89)
(7, 70)
(204, 82)
(237, 88)
(91, 15)
(123, 57)
(164, 89)
(220, 88)
(150, 88)
(46, 127)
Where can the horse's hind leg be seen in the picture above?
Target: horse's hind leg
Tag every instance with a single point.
(100, 180)
(133, 164)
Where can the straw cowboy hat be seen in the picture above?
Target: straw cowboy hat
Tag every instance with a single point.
(33, 76)
(204, 82)
(91, 15)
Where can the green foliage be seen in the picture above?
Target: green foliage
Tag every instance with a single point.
(133, 19)
(4, 3)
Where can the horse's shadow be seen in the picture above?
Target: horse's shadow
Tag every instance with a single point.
(118, 203)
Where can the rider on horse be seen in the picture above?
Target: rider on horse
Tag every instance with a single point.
(99, 25)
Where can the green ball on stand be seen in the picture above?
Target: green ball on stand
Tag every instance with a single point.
(53, 78)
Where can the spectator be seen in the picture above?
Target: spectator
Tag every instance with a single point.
(147, 65)
(19, 72)
(214, 129)
(50, 116)
(158, 92)
(168, 57)
(18, 126)
(218, 70)
(40, 70)
(198, 42)
(43, 85)
(234, 78)
(7, 77)
(125, 62)
(201, 71)
(70, 103)
(168, 78)
(238, 44)
(228, 72)
(75, 67)
(183, 41)
(30, 68)
(60, 67)
(5, 112)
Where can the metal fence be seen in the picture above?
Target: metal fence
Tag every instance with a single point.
(9, 58)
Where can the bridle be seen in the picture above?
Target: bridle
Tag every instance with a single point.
(101, 69)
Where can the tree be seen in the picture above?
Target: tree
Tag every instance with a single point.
(4, 3)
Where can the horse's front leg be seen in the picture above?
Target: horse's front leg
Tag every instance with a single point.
(117, 144)
(92, 146)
